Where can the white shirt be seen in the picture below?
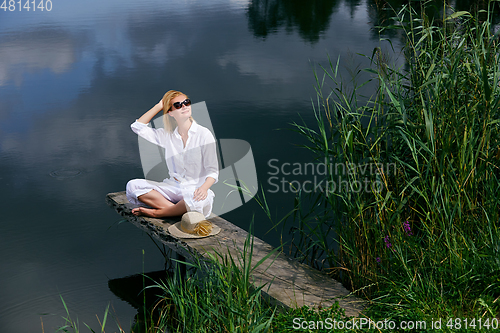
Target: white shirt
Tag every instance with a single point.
(189, 165)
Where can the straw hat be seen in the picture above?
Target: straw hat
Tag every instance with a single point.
(193, 225)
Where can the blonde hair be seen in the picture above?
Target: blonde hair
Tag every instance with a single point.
(168, 122)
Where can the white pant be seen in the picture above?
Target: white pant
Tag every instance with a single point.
(173, 191)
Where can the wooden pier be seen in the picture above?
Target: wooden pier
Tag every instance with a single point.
(288, 282)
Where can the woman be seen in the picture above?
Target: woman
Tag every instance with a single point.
(191, 157)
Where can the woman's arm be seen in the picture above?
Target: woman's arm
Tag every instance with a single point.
(141, 127)
(146, 118)
(211, 166)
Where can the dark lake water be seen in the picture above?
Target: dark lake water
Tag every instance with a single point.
(73, 79)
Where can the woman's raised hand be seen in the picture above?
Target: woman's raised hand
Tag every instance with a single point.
(146, 118)
(160, 104)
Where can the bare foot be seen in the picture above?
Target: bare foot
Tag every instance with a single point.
(141, 211)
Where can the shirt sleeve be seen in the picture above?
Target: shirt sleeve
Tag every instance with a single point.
(210, 161)
(153, 135)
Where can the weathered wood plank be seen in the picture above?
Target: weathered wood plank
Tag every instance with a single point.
(289, 283)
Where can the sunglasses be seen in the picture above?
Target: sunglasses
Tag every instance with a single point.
(178, 105)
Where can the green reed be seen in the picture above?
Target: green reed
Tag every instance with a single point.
(72, 325)
(424, 227)
(217, 296)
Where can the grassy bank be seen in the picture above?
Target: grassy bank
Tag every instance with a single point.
(411, 217)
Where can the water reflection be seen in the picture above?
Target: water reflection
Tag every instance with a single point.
(312, 18)
(309, 18)
(142, 293)
(33, 51)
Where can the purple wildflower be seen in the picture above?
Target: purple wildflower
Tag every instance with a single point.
(407, 228)
(387, 242)
(378, 260)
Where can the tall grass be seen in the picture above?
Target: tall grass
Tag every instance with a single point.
(217, 296)
(72, 325)
(423, 229)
